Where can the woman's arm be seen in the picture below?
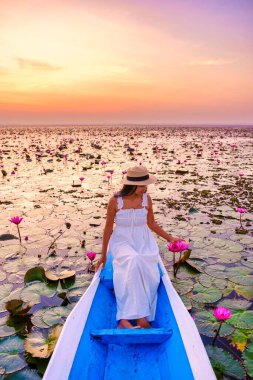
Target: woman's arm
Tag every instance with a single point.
(154, 226)
(111, 211)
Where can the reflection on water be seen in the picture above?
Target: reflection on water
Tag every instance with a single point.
(197, 168)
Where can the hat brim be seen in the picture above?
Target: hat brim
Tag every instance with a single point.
(149, 181)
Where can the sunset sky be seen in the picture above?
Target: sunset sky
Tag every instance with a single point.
(112, 61)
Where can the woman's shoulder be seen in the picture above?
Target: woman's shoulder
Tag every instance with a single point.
(112, 203)
(149, 199)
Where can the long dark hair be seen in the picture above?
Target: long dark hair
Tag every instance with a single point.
(126, 190)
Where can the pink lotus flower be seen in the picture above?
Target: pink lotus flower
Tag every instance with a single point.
(13, 172)
(111, 171)
(26, 238)
(221, 313)
(81, 179)
(16, 219)
(241, 210)
(178, 246)
(241, 174)
(91, 255)
(123, 171)
(103, 163)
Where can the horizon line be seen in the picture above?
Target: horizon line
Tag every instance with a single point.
(125, 124)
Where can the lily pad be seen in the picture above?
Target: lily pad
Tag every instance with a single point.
(4, 295)
(208, 325)
(17, 307)
(183, 286)
(4, 329)
(206, 295)
(41, 346)
(33, 292)
(248, 359)
(35, 274)
(217, 271)
(2, 276)
(75, 294)
(37, 319)
(55, 315)
(186, 301)
(10, 349)
(193, 210)
(224, 363)
(240, 275)
(209, 281)
(245, 291)
(242, 319)
(24, 374)
(63, 275)
(239, 338)
(235, 304)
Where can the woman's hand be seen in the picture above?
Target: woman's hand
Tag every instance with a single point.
(102, 261)
(174, 238)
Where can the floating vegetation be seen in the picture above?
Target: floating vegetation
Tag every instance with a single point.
(61, 188)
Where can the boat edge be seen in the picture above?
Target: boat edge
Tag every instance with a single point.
(194, 347)
(61, 361)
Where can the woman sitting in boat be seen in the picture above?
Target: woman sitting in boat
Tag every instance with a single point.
(134, 249)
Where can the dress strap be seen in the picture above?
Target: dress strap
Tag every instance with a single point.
(144, 200)
(120, 202)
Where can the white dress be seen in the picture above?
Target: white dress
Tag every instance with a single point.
(135, 255)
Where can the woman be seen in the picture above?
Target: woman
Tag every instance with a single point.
(135, 252)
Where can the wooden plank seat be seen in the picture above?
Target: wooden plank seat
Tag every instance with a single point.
(131, 336)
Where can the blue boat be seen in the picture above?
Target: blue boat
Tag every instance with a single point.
(91, 347)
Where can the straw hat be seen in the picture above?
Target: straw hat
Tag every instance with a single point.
(138, 175)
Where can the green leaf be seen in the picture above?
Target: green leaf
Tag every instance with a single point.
(209, 281)
(37, 318)
(224, 362)
(206, 295)
(24, 374)
(234, 304)
(183, 286)
(239, 338)
(10, 349)
(217, 271)
(17, 307)
(245, 291)
(40, 345)
(33, 292)
(55, 315)
(186, 301)
(242, 319)
(35, 274)
(248, 359)
(240, 275)
(193, 210)
(208, 325)
(4, 329)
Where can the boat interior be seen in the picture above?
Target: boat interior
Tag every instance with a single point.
(105, 352)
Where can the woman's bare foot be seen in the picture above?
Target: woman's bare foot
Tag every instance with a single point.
(142, 322)
(125, 324)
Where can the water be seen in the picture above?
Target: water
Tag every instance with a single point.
(47, 192)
